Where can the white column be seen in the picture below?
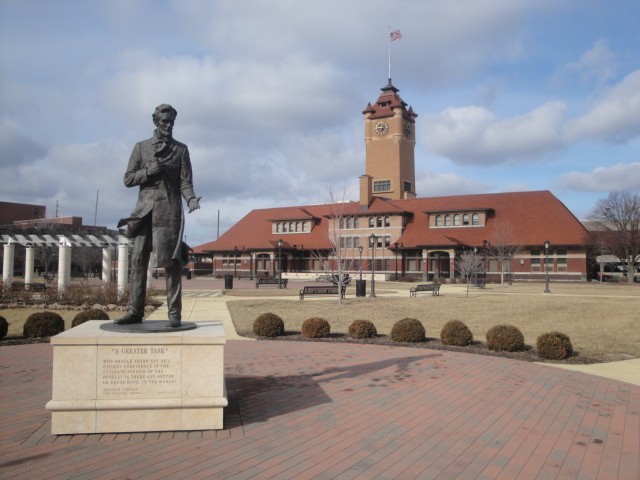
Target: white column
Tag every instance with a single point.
(106, 264)
(29, 262)
(123, 266)
(7, 265)
(64, 264)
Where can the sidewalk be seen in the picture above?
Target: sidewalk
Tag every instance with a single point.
(314, 410)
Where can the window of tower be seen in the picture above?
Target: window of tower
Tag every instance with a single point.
(382, 186)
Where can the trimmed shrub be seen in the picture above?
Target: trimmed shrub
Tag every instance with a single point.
(268, 325)
(91, 314)
(456, 333)
(362, 329)
(315, 327)
(505, 338)
(43, 324)
(408, 330)
(4, 327)
(554, 346)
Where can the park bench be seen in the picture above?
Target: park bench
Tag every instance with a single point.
(314, 290)
(271, 281)
(425, 287)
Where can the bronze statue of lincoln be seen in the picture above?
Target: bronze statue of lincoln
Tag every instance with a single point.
(161, 167)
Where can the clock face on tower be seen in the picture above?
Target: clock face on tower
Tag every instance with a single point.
(382, 128)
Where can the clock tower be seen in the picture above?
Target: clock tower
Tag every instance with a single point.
(390, 139)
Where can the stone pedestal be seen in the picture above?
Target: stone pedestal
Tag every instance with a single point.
(109, 382)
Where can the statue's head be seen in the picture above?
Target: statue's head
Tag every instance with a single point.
(164, 117)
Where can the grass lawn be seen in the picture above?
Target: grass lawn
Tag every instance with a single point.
(603, 321)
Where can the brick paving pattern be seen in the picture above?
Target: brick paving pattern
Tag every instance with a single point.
(341, 411)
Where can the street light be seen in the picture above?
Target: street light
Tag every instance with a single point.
(360, 263)
(395, 245)
(547, 244)
(372, 244)
(279, 242)
(235, 262)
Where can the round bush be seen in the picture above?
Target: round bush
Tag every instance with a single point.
(362, 329)
(268, 325)
(554, 346)
(505, 338)
(43, 324)
(456, 333)
(4, 327)
(315, 328)
(91, 314)
(408, 330)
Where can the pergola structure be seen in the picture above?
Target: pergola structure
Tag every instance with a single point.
(65, 242)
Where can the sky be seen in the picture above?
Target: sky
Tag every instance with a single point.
(511, 95)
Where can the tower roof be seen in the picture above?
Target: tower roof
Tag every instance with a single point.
(387, 102)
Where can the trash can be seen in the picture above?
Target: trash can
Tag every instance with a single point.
(361, 288)
(228, 282)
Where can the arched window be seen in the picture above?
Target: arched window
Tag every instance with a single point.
(372, 222)
(278, 227)
(356, 222)
(456, 220)
(465, 219)
(447, 220)
(304, 226)
(475, 219)
(438, 220)
(297, 226)
(387, 221)
(379, 222)
(349, 224)
(291, 227)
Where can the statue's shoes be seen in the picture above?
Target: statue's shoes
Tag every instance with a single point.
(173, 323)
(128, 319)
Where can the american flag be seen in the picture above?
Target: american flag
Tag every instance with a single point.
(395, 35)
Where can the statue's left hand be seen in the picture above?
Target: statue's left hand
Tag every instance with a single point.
(194, 204)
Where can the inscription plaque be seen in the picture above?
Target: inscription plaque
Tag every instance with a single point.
(129, 371)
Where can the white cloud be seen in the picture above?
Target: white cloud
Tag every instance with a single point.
(614, 118)
(473, 135)
(444, 184)
(598, 63)
(618, 177)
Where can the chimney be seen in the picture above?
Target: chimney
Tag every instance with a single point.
(366, 183)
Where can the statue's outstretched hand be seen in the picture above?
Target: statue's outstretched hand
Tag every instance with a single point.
(194, 203)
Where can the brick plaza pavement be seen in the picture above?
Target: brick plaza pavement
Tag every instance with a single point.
(325, 410)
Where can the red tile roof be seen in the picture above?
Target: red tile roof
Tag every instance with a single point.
(532, 217)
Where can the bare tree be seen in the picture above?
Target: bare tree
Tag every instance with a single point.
(469, 263)
(502, 247)
(340, 258)
(87, 258)
(617, 222)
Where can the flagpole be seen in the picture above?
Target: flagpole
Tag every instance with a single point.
(395, 35)
(389, 40)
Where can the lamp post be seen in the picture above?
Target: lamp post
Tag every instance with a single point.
(547, 244)
(279, 242)
(235, 262)
(360, 262)
(372, 244)
(395, 246)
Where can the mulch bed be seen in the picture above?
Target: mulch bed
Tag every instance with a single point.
(477, 348)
